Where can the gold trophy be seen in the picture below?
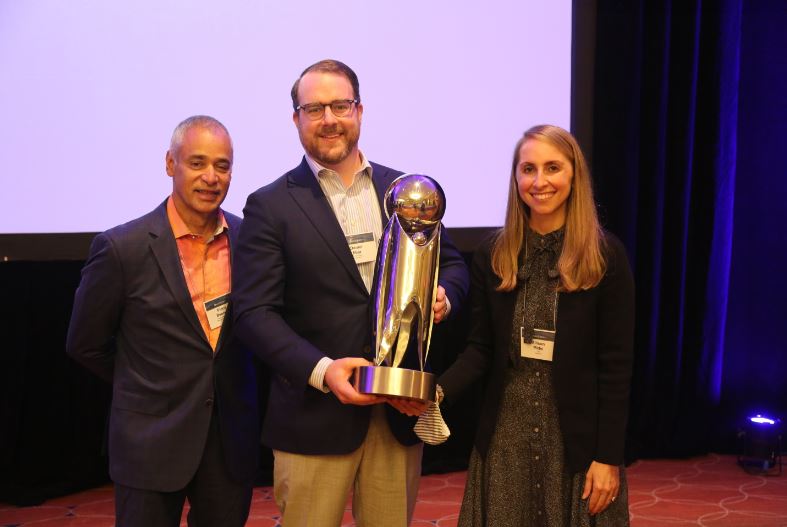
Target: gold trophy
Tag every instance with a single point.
(404, 288)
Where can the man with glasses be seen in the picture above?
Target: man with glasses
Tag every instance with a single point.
(301, 282)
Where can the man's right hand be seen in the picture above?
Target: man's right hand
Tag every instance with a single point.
(337, 377)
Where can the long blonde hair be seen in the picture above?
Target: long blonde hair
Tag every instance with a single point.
(581, 264)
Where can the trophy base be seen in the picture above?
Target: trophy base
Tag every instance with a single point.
(396, 382)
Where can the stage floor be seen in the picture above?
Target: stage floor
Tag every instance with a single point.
(709, 491)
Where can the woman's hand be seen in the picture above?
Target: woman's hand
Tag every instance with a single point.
(602, 483)
(411, 407)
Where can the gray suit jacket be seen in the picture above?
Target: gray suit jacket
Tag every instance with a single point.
(134, 325)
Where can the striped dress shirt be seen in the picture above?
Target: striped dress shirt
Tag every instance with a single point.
(356, 207)
(358, 212)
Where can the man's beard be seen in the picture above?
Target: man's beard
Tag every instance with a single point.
(338, 152)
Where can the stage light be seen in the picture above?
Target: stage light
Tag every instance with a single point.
(761, 445)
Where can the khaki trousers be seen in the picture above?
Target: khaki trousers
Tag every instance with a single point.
(383, 474)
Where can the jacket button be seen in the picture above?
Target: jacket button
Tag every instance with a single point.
(209, 403)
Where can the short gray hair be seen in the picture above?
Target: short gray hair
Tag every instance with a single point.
(204, 121)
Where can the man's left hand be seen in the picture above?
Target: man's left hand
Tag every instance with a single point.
(441, 305)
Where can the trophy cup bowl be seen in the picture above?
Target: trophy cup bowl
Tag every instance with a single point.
(418, 200)
(404, 288)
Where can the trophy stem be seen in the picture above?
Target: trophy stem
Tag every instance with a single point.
(397, 382)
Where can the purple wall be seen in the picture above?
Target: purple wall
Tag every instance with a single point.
(92, 90)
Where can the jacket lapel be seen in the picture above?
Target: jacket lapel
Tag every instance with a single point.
(165, 250)
(306, 192)
(382, 177)
(232, 235)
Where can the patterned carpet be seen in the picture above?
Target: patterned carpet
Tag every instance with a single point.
(708, 491)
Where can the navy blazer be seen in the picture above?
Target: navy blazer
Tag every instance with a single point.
(299, 297)
(134, 325)
(592, 361)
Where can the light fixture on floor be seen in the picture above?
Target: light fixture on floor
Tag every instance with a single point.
(761, 445)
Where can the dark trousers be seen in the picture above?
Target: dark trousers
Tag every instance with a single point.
(215, 499)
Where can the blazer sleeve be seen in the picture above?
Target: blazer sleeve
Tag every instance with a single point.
(98, 304)
(258, 296)
(453, 273)
(476, 358)
(615, 353)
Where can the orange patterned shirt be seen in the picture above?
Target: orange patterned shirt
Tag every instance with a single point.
(206, 265)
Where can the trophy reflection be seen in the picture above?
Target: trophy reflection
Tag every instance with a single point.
(404, 289)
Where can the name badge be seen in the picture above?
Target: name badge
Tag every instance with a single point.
(542, 346)
(216, 309)
(362, 247)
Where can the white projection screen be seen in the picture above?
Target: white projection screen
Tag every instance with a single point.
(91, 90)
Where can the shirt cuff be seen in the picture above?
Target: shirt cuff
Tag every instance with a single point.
(317, 378)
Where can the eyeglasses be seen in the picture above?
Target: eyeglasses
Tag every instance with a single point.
(339, 108)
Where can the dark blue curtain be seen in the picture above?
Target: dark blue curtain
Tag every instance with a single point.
(754, 377)
(52, 411)
(666, 136)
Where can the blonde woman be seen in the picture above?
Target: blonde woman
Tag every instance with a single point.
(552, 301)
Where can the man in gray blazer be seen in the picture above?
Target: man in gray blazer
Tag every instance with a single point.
(152, 316)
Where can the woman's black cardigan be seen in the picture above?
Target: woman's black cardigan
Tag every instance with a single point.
(593, 358)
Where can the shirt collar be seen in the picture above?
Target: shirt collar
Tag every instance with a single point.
(180, 229)
(317, 169)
